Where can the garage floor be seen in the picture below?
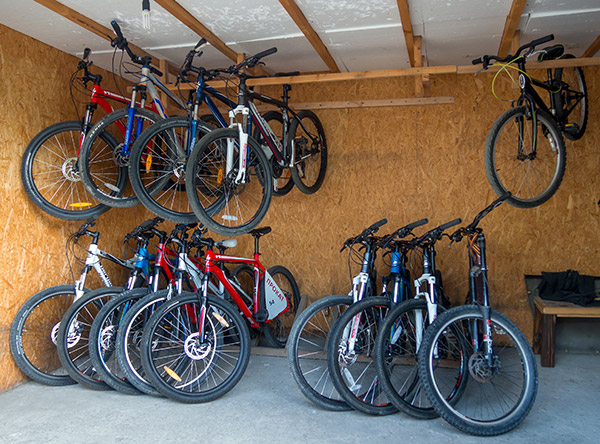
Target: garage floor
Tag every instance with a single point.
(266, 406)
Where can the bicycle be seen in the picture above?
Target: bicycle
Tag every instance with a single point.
(307, 343)
(230, 189)
(195, 347)
(477, 368)
(525, 152)
(72, 337)
(159, 155)
(33, 332)
(351, 358)
(49, 169)
(104, 172)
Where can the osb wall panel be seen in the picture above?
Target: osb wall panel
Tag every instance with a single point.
(402, 163)
(34, 93)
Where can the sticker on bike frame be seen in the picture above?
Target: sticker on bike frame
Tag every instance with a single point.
(275, 300)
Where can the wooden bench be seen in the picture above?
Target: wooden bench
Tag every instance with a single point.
(544, 324)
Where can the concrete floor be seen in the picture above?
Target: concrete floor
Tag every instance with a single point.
(266, 406)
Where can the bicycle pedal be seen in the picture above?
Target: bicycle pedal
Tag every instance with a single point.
(571, 128)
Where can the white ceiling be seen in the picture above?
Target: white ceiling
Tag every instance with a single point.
(359, 34)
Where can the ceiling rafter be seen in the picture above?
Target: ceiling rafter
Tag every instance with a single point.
(182, 14)
(301, 21)
(510, 26)
(92, 26)
(593, 48)
(407, 29)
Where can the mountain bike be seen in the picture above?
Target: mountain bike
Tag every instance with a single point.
(50, 170)
(105, 172)
(525, 152)
(351, 359)
(35, 327)
(477, 368)
(195, 347)
(159, 155)
(229, 176)
(72, 337)
(307, 343)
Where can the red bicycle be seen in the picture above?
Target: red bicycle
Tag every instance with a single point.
(49, 168)
(196, 347)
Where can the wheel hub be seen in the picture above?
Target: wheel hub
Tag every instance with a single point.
(120, 158)
(480, 369)
(107, 338)
(70, 171)
(74, 335)
(196, 350)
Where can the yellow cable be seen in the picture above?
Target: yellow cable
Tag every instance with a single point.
(503, 67)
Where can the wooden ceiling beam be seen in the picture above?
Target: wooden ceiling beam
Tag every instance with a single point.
(94, 27)
(593, 49)
(510, 26)
(300, 19)
(181, 14)
(408, 30)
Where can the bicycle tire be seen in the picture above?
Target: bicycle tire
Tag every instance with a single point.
(129, 338)
(221, 361)
(307, 351)
(50, 174)
(104, 169)
(502, 146)
(282, 178)
(356, 379)
(222, 206)
(310, 152)
(157, 168)
(37, 357)
(396, 360)
(277, 330)
(74, 333)
(564, 100)
(103, 334)
(484, 383)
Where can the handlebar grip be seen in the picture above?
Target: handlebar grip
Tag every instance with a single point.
(376, 225)
(477, 61)
(449, 224)
(417, 224)
(201, 44)
(86, 54)
(265, 53)
(117, 29)
(541, 40)
(156, 71)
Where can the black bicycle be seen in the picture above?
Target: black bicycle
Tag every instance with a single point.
(525, 152)
(475, 365)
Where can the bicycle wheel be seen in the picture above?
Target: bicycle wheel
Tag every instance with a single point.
(282, 178)
(277, 330)
(74, 334)
(103, 335)
(222, 205)
(33, 332)
(104, 168)
(350, 365)
(157, 168)
(129, 339)
(497, 396)
(396, 349)
(307, 351)
(310, 151)
(187, 368)
(51, 176)
(526, 159)
(572, 101)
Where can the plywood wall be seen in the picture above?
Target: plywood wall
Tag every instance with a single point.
(402, 163)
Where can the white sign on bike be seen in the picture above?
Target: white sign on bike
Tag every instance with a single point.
(275, 300)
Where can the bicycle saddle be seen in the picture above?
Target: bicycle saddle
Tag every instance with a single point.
(226, 243)
(257, 232)
(551, 53)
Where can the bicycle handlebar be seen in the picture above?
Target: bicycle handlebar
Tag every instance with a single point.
(486, 59)
(366, 232)
(472, 227)
(121, 43)
(144, 228)
(83, 228)
(436, 233)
